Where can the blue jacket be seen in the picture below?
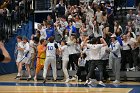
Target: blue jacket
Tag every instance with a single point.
(49, 32)
(73, 29)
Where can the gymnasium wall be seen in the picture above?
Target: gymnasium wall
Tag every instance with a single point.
(25, 30)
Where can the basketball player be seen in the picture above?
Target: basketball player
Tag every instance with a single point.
(19, 53)
(26, 59)
(65, 59)
(40, 57)
(51, 51)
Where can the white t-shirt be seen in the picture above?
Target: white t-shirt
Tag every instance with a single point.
(43, 33)
(78, 24)
(125, 46)
(65, 52)
(31, 46)
(115, 28)
(115, 49)
(51, 50)
(64, 24)
(71, 47)
(132, 42)
(104, 54)
(20, 45)
(99, 16)
(99, 33)
(95, 53)
(27, 50)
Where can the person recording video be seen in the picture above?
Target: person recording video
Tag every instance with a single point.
(4, 57)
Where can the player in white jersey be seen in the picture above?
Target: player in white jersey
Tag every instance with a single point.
(26, 59)
(52, 49)
(19, 52)
(65, 59)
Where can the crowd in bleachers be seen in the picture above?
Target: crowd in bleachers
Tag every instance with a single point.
(12, 15)
(86, 38)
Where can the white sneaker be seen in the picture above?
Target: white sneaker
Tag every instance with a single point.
(76, 77)
(80, 80)
(109, 79)
(96, 69)
(92, 81)
(73, 78)
(116, 82)
(67, 80)
(133, 69)
(87, 81)
(101, 83)
(35, 79)
(128, 69)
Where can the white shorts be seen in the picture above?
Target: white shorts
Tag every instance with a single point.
(19, 58)
(26, 60)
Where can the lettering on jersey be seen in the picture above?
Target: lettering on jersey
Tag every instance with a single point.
(50, 47)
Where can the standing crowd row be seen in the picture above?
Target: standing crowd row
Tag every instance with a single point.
(86, 38)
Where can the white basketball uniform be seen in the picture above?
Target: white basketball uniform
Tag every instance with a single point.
(50, 59)
(27, 55)
(65, 60)
(19, 52)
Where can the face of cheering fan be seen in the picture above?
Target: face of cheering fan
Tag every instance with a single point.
(39, 26)
(44, 43)
(25, 40)
(113, 39)
(49, 17)
(124, 37)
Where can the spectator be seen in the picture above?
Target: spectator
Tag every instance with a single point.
(130, 16)
(60, 9)
(126, 54)
(50, 20)
(65, 59)
(71, 28)
(40, 57)
(49, 31)
(115, 57)
(95, 59)
(98, 15)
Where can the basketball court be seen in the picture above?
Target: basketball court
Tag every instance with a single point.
(9, 85)
(35, 13)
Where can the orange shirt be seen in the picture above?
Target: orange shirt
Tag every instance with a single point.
(41, 54)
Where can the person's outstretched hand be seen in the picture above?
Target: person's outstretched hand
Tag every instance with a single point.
(5, 54)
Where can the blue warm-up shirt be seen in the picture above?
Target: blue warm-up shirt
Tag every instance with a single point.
(73, 29)
(49, 32)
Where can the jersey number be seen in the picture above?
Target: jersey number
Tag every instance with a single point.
(50, 47)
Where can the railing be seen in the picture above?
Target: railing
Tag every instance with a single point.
(13, 18)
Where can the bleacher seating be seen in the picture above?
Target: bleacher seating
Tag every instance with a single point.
(125, 75)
